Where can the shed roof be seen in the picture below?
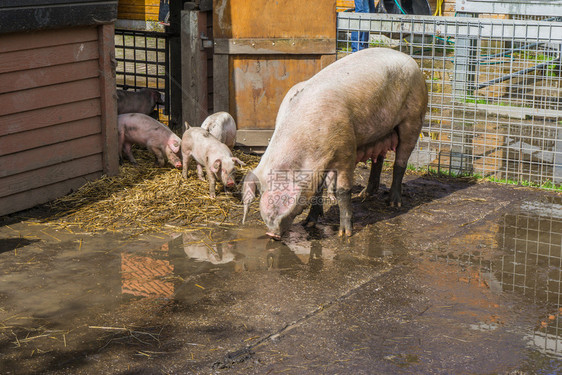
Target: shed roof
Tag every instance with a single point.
(28, 15)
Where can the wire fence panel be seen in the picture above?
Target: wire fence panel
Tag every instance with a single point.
(143, 61)
(495, 106)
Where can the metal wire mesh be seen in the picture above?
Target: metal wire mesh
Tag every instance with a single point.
(142, 61)
(494, 86)
(531, 244)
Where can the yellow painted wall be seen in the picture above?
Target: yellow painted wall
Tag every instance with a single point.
(144, 10)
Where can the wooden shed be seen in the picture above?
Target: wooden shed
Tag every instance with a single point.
(246, 56)
(57, 88)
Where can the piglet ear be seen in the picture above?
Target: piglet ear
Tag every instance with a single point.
(157, 97)
(174, 145)
(249, 192)
(216, 166)
(236, 160)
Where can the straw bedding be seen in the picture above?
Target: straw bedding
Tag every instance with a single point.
(149, 198)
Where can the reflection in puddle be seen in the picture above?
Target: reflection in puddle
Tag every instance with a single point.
(531, 265)
(144, 276)
(158, 273)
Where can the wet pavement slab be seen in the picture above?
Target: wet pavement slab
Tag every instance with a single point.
(464, 279)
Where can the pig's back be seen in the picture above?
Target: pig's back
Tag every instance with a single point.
(370, 91)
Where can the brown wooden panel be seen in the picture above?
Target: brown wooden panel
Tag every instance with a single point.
(252, 138)
(54, 55)
(49, 135)
(48, 75)
(258, 84)
(48, 96)
(45, 38)
(194, 68)
(44, 156)
(28, 199)
(50, 175)
(274, 19)
(108, 99)
(273, 46)
(24, 121)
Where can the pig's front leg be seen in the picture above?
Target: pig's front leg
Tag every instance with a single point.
(160, 159)
(343, 196)
(200, 172)
(212, 182)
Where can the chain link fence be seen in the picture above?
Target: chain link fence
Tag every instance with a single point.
(495, 103)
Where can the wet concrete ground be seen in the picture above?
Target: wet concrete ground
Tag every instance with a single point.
(464, 279)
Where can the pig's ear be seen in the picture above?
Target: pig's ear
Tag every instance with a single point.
(186, 125)
(174, 145)
(216, 166)
(249, 192)
(157, 97)
(236, 160)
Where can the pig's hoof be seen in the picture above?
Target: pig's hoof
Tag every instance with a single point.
(345, 233)
(364, 194)
(309, 223)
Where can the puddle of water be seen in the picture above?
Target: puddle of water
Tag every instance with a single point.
(531, 265)
(49, 291)
(521, 256)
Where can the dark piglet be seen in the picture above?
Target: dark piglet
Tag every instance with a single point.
(143, 130)
(142, 101)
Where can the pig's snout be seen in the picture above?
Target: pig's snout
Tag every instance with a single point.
(276, 237)
(177, 164)
(230, 184)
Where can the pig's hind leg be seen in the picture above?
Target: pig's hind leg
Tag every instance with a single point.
(316, 209)
(408, 133)
(374, 177)
(127, 150)
(186, 159)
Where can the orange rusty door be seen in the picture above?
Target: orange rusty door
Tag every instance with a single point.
(261, 49)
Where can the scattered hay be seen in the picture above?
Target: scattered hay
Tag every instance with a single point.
(147, 198)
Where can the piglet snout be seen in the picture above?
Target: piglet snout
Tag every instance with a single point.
(274, 236)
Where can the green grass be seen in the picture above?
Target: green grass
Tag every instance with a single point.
(549, 185)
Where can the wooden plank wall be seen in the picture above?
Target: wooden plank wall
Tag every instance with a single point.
(267, 47)
(52, 119)
(144, 10)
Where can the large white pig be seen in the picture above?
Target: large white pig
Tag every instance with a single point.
(360, 106)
